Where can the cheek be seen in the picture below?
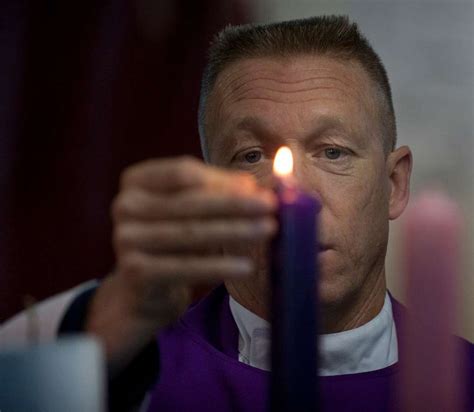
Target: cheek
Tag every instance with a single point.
(354, 209)
(343, 198)
(264, 174)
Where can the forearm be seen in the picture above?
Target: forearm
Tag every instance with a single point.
(123, 330)
(136, 372)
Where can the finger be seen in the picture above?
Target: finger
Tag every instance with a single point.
(140, 204)
(175, 174)
(187, 270)
(192, 235)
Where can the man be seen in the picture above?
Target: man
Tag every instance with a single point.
(318, 87)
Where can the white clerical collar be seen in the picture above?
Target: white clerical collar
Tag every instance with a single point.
(369, 347)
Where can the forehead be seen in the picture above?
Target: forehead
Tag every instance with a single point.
(306, 87)
(291, 69)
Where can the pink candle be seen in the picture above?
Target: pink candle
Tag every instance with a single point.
(431, 378)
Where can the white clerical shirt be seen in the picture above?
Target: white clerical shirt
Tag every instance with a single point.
(369, 347)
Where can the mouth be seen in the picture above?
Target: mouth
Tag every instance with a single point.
(323, 247)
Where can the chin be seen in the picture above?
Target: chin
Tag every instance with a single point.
(336, 283)
(334, 290)
(330, 295)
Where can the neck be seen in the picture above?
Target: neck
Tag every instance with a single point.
(251, 295)
(355, 311)
(358, 309)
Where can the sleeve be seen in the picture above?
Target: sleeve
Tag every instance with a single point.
(47, 316)
(128, 389)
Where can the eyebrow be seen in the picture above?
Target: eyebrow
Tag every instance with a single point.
(258, 128)
(253, 124)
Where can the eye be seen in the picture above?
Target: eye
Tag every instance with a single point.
(333, 153)
(249, 157)
(254, 156)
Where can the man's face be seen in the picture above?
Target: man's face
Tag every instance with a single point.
(327, 112)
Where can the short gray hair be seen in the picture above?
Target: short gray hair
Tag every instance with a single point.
(333, 36)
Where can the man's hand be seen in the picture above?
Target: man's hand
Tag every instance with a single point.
(171, 219)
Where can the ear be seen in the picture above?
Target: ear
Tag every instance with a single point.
(399, 165)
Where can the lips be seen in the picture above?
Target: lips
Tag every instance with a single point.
(323, 247)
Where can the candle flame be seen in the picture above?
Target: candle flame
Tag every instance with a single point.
(283, 163)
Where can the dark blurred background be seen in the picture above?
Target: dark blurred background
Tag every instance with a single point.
(87, 88)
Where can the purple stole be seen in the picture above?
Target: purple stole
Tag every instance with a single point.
(200, 370)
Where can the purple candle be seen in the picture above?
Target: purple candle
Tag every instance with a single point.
(431, 363)
(294, 295)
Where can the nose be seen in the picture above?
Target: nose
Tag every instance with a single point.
(305, 176)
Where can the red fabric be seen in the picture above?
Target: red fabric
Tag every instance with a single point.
(93, 86)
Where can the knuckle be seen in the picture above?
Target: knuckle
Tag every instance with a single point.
(121, 239)
(128, 175)
(137, 173)
(186, 170)
(183, 174)
(187, 161)
(119, 207)
(131, 204)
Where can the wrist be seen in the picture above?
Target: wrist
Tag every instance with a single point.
(123, 330)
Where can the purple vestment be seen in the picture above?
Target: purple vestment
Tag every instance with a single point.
(200, 370)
